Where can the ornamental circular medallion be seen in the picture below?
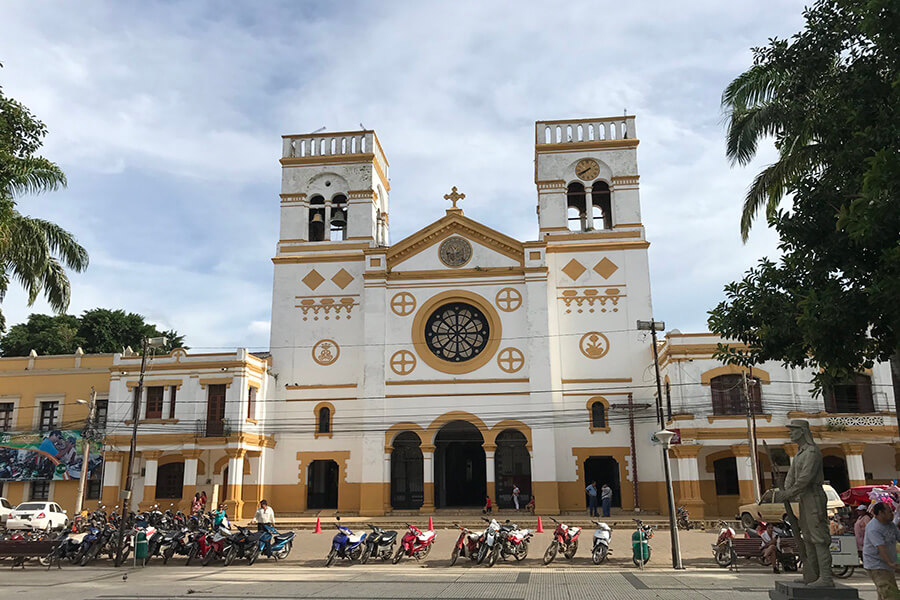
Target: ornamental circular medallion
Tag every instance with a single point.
(403, 304)
(510, 360)
(326, 352)
(456, 332)
(455, 251)
(594, 344)
(403, 362)
(508, 299)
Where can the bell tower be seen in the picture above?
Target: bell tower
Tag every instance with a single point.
(334, 188)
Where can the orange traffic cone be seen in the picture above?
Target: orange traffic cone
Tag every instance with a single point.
(318, 526)
(540, 527)
(430, 524)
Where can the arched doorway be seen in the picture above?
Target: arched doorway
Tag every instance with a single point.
(407, 473)
(460, 476)
(512, 466)
(834, 469)
(603, 469)
(322, 484)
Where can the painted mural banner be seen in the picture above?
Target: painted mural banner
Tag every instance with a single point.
(52, 455)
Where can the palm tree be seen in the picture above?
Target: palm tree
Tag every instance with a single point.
(34, 252)
(758, 104)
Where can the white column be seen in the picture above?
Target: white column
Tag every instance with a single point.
(856, 470)
(427, 476)
(235, 471)
(190, 473)
(489, 466)
(112, 473)
(150, 468)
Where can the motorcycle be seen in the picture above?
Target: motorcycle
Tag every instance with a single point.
(489, 543)
(415, 543)
(684, 518)
(216, 544)
(601, 550)
(466, 545)
(640, 544)
(723, 552)
(345, 544)
(380, 544)
(565, 539)
(240, 544)
(177, 542)
(515, 541)
(271, 544)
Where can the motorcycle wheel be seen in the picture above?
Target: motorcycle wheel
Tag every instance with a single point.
(168, 553)
(330, 558)
(482, 553)
(210, 555)
(646, 560)
(420, 554)
(570, 551)
(230, 555)
(454, 556)
(550, 554)
(599, 554)
(521, 551)
(46, 560)
(191, 556)
(284, 552)
(842, 572)
(365, 555)
(254, 554)
(75, 558)
(125, 552)
(723, 556)
(90, 555)
(355, 553)
(492, 556)
(397, 556)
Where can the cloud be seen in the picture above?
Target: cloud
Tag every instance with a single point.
(167, 118)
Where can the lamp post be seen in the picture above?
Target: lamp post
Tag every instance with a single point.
(125, 495)
(86, 437)
(665, 437)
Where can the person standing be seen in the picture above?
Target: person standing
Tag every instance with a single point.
(605, 499)
(880, 551)
(488, 506)
(859, 528)
(591, 490)
(515, 495)
(196, 504)
(264, 516)
(203, 501)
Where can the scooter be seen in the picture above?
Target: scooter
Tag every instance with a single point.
(515, 541)
(565, 538)
(415, 543)
(240, 544)
(272, 544)
(490, 542)
(466, 544)
(177, 542)
(723, 552)
(601, 550)
(379, 544)
(640, 544)
(345, 544)
(216, 544)
(684, 518)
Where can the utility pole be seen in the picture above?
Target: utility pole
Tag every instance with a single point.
(630, 407)
(751, 432)
(125, 495)
(87, 436)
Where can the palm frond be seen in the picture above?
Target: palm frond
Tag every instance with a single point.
(62, 243)
(759, 84)
(55, 285)
(747, 127)
(35, 175)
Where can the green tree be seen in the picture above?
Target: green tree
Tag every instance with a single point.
(830, 98)
(34, 252)
(95, 331)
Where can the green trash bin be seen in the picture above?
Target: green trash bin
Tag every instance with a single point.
(140, 546)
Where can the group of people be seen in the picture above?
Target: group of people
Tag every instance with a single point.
(264, 514)
(605, 496)
(515, 493)
(877, 533)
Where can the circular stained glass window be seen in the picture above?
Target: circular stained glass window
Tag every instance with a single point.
(456, 332)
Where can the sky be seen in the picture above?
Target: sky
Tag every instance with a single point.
(167, 119)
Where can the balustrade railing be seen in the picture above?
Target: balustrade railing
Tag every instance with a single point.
(584, 130)
(328, 144)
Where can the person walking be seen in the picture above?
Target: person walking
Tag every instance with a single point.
(605, 499)
(880, 551)
(591, 490)
(515, 495)
(264, 516)
(488, 506)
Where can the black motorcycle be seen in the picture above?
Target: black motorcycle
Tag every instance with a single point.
(177, 542)
(380, 544)
(240, 544)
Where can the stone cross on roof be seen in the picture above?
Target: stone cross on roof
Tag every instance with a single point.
(454, 196)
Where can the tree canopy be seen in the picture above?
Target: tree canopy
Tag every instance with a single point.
(830, 99)
(34, 252)
(95, 331)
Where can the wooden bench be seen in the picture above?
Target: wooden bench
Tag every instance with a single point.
(22, 550)
(752, 547)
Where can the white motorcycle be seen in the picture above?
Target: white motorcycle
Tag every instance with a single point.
(601, 542)
(489, 547)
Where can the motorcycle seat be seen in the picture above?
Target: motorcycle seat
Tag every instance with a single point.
(474, 537)
(354, 538)
(283, 537)
(388, 536)
(574, 530)
(426, 535)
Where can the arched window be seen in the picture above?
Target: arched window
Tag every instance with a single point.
(338, 224)
(324, 424)
(726, 476)
(575, 203)
(853, 396)
(727, 395)
(316, 219)
(601, 204)
(598, 415)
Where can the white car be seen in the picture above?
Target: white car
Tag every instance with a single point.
(5, 509)
(40, 516)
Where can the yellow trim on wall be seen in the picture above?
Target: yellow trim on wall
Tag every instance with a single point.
(758, 373)
(605, 404)
(316, 433)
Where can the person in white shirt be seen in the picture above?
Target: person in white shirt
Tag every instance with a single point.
(515, 495)
(264, 515)
(770, 547)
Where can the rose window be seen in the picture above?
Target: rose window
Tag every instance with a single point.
(457, 332)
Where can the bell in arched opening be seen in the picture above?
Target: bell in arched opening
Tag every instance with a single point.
(316, 227)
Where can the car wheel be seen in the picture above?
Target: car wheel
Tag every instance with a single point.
(748, 521)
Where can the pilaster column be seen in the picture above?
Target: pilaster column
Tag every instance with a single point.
(687, 485)
(112, 478)
(150, 467)
(189, 481)
(427, 477)
(256, 469)
(386, 498)
(234, 501)
(588, 208)
(856, 470)
(489, 450)
(745, 473)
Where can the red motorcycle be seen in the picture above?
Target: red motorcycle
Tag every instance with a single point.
(723, 550)
(466, 545)
(415, 543)
(565, 539)
(212, 545)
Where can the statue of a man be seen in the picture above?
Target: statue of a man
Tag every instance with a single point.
(804, 484)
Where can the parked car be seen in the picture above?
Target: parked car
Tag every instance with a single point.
(39, 516)
(5, 509)
(768, 510)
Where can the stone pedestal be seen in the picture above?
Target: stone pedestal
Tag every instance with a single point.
(785, 590)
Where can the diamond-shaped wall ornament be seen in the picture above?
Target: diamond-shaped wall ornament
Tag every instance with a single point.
(313, 279)
(606, 268)
(574, 269)
(342, 278)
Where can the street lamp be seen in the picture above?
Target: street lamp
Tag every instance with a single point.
(665, 437)
(125, 495)
(86, 437)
